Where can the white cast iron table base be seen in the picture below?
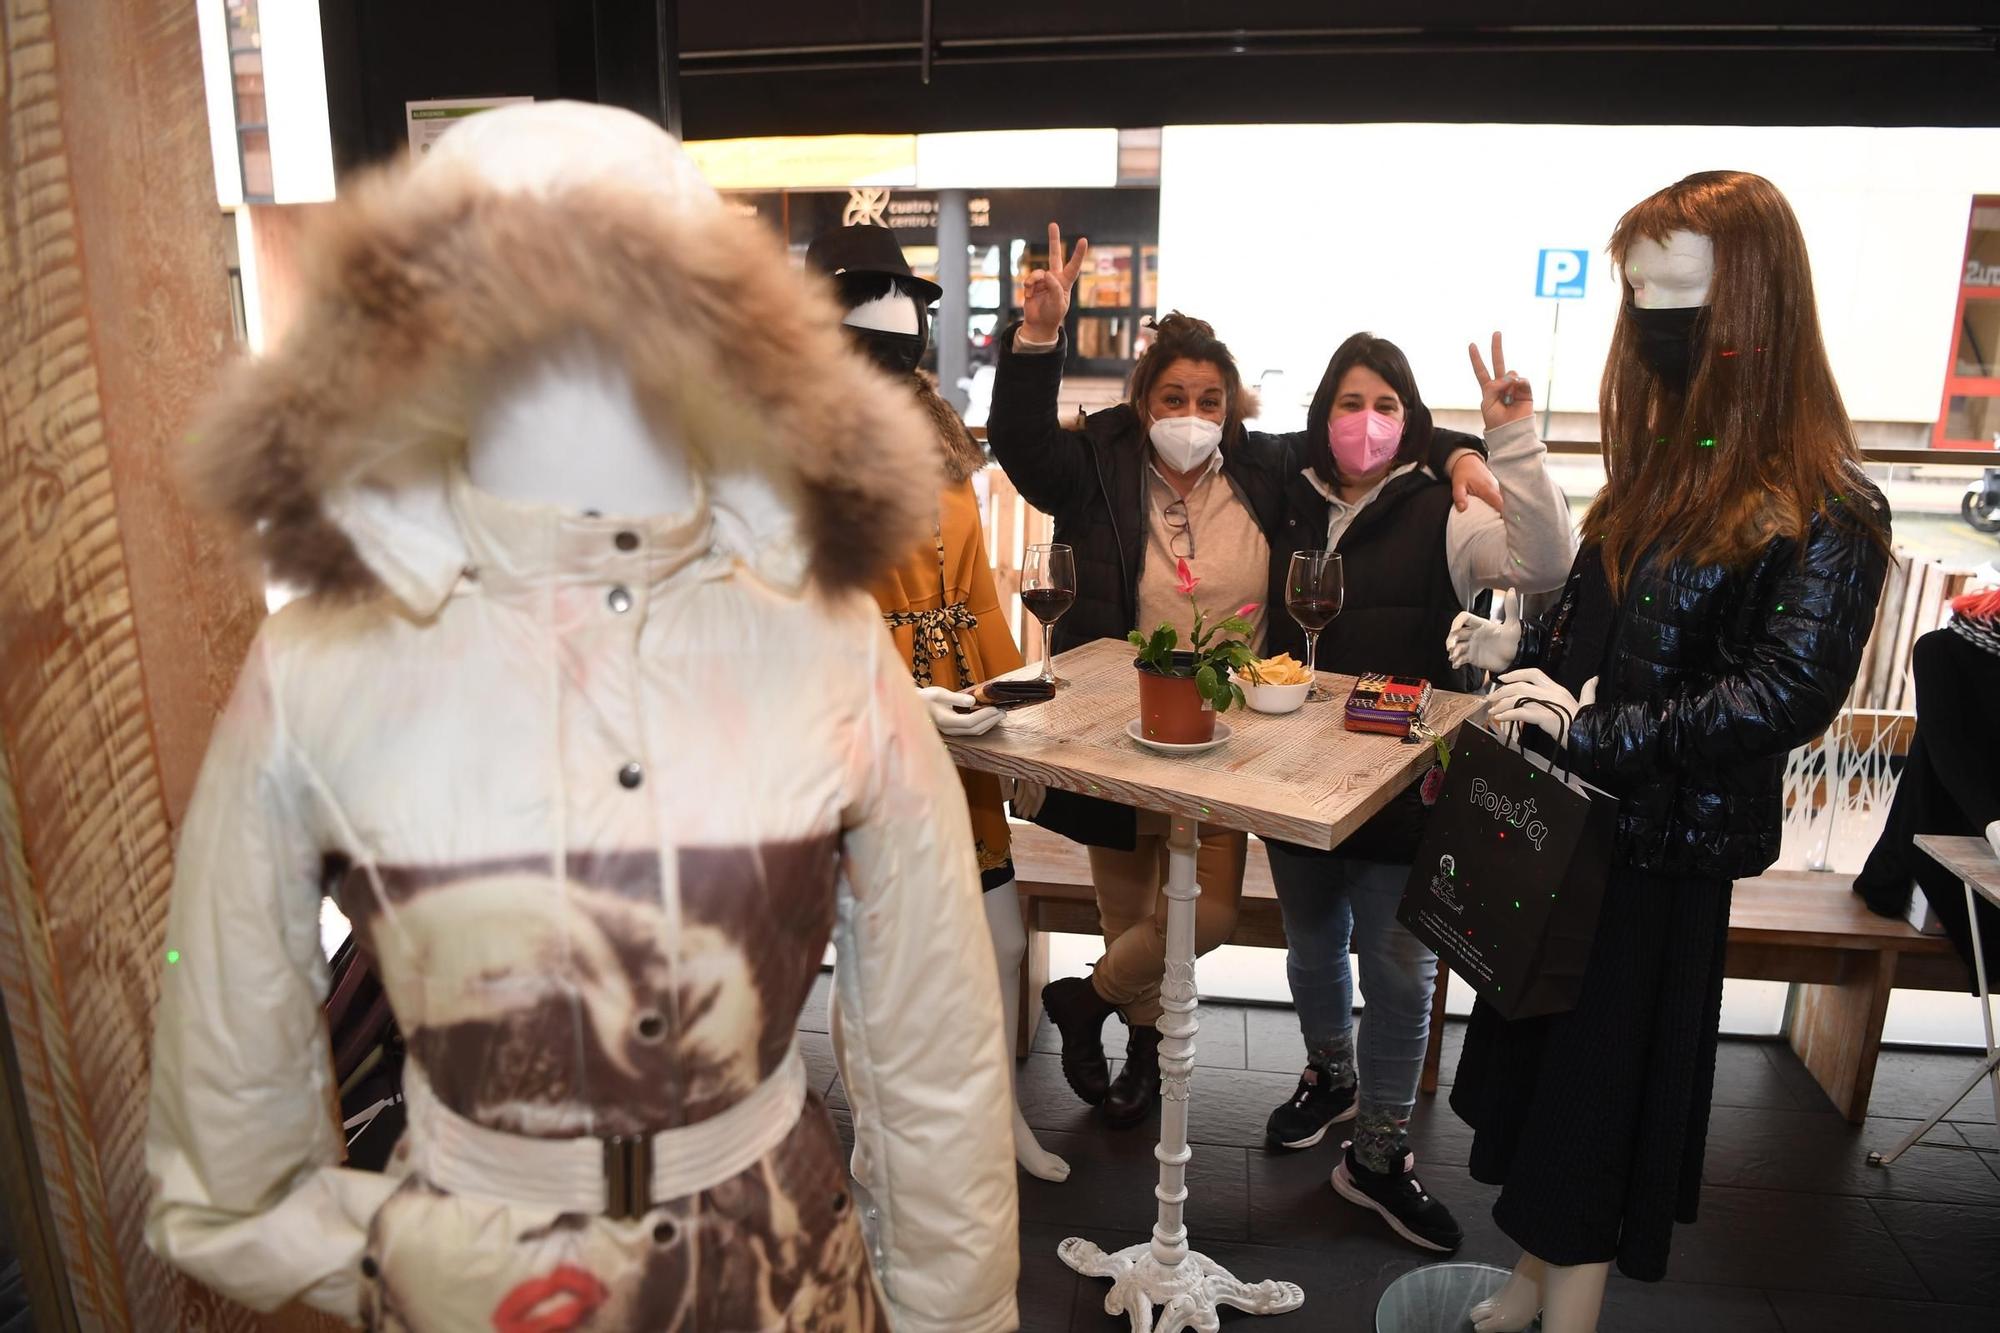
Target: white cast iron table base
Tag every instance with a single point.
(1188, 1295)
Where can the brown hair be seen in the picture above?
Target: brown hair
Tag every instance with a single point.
(1760, 443)
(1178, 337)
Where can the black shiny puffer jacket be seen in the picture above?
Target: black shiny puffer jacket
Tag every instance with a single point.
(1712, 677)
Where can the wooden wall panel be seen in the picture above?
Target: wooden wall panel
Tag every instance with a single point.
(122, 623)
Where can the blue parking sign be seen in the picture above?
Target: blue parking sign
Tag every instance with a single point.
(1560, 274)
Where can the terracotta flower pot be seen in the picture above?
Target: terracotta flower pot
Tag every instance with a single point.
(1171, 709)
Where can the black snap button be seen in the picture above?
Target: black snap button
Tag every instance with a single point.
(626, 541)
(620, 600)
(651, 1026)
(631, 776)
(666, 1232)
(368, 1268)
(593, 513)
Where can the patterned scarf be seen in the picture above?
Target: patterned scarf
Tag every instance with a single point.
(1976, 617)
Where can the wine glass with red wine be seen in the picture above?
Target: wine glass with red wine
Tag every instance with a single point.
(1048, 588)
(1313, 594)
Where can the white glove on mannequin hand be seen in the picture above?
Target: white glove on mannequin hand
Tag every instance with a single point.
(1489, 645)
(1529, 698)
(1025, 795)
(943, 702)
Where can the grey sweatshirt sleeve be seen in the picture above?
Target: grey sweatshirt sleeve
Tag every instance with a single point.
(1532, 545)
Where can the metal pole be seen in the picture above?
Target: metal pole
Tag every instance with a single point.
(1985, 996)
(950, 333)
(1549, 401)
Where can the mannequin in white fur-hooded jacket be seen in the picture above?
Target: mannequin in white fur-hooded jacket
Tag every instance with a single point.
(588, 724)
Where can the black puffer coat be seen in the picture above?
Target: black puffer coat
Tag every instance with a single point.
(1711, 677)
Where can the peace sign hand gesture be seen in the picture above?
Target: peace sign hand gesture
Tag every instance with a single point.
(1045, 295)
(1503, 395)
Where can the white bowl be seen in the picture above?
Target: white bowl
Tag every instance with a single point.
(1273, 698)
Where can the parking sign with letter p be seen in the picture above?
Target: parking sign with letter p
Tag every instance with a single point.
(1560, 274)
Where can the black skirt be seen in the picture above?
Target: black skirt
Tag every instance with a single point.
(1593, 1122)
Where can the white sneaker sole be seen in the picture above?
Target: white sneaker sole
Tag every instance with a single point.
(1344, 1186)
(1312, 1139)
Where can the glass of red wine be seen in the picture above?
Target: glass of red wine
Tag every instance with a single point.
(1313, 594)
(1048, 588)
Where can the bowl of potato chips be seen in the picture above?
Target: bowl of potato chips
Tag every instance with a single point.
(1275, 684)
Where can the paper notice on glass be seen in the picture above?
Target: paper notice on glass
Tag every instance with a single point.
(429, 120)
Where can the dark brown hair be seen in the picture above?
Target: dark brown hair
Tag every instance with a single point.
(1387, 360)
(1178, 337)
(1760, 443)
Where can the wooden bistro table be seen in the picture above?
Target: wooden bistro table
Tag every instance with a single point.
(1973, 861)
(1300, 777)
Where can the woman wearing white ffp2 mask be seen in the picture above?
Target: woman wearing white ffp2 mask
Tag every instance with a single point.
(1184, 444)
(1169, 475)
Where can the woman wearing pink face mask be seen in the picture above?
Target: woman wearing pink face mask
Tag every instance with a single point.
(1359, 484)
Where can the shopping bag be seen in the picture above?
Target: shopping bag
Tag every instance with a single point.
(1509, 874)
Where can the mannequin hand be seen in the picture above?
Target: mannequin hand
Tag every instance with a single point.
(942, 702)
(1993, 836)
(1489, 645)
(1503, 395)
(1045, 295)
(1471, 479)
(1589, 695)
(1025, 795)
(1524, 698)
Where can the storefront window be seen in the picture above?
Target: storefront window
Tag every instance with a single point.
(1979, 338)
(1106, 282)
(1974, 418)
(1104, 337)
(1971, 415)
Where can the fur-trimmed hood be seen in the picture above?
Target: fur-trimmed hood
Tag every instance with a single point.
(426, 283)
(962, 454)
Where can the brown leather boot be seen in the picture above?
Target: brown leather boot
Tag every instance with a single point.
(1137, 1086)
(1078, 1012)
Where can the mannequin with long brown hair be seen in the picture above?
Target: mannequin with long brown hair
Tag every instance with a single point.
(1713, 621)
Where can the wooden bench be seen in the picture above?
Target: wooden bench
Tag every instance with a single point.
(1802, 927)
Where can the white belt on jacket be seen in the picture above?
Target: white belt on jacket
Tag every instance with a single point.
(617, 1177)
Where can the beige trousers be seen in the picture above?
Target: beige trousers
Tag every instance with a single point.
(1132, 909)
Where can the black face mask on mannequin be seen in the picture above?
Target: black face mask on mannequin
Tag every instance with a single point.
(1667, 341)
(897, 353)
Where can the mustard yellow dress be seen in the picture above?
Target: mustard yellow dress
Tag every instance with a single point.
(943, 609)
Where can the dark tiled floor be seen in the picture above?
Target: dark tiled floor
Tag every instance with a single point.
(1798, 1233)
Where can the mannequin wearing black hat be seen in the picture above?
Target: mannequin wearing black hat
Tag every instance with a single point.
(941, 602)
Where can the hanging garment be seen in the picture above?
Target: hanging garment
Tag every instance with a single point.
(595, 791)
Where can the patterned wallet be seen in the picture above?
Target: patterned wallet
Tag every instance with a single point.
(1388, 704)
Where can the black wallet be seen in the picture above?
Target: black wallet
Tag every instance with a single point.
(1007, 695)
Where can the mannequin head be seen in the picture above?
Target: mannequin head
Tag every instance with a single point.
(1187, 372)
(1670, 273)
(888, 321)
(544, 148)
(1751, 439)
(888, 307)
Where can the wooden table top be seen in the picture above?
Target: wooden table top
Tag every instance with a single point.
(1301, 777)
(1971, 859)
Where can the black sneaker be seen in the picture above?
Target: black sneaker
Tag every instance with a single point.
(1402, 1201)
(1318, 1104)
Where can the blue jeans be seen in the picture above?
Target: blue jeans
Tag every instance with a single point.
(1328, 904)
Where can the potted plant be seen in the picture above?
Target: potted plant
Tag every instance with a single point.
(1182, 689)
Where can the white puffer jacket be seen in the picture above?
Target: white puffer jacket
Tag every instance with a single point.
(595, 792)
